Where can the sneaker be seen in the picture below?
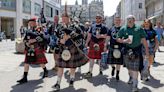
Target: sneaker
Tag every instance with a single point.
(22, 81)
(71, 83)
(113, 70)
(79, 70)
(130, 81)
(117, 77)
(134, 89)
(45, 74)
(56, 87)
(146, 79)
(101, 73)
(88, 75)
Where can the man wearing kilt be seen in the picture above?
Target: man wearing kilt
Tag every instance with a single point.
(69, 55)
(114, 48)
(96, 41)
(34, 50)
(133, 37)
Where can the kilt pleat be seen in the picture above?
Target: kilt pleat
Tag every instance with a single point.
(132, 64)
(93, 54)
(78, 58)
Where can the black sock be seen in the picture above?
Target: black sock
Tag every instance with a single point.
(25, 75)
(117, 73)
(45, 69)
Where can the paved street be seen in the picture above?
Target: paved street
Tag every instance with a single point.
(11, 69)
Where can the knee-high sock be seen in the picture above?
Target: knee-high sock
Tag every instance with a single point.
(59, 80)
(91, 66)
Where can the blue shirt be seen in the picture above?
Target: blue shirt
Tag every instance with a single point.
(159, 32)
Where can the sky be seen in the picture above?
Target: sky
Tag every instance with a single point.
(109, 5)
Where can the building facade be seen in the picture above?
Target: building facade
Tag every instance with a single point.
(133, 7)
(15, 13)
(85, 11)
(95, 7)
(84, 2)
(155, 10)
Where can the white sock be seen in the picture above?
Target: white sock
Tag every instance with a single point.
(100, 68)
(91, 66)
(58, 80)
(72, 77)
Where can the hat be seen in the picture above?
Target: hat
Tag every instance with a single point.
(32, 19)
(99, 15)
(131, 16)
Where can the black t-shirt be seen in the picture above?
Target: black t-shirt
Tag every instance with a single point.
(151, 34)
(113, 34)
(93, 30)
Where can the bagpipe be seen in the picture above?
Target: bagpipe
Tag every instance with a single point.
(34, 35)
(76, 37)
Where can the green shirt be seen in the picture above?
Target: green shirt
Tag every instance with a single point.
(137, 32)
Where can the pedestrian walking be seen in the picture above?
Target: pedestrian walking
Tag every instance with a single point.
(115, 49)
(68, 54)
(152, 40)
(133, 37)
(34, 50)
(95, 41)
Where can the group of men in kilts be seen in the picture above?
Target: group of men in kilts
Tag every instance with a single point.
(123, 45)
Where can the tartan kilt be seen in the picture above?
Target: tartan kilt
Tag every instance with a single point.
(40, 57)
(132, 64)
(93, 54)
(112, 60)
(78, 58)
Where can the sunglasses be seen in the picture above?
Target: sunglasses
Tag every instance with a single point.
(98, 17)
(129, 19)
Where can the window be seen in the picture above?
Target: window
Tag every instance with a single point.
(57, 12)
(26, 6)
(49, 11)
(140, 5)
(37, 9)
(8, 4)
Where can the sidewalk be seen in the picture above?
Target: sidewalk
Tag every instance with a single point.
(98, 83)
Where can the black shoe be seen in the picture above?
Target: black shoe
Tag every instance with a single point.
(88, 75)
(71, 83)
(56, 87)
(117, 77)
(45, 74)
(101, 73)
(23, 80)
(113, 70)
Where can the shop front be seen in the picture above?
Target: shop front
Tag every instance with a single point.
(7, 26)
